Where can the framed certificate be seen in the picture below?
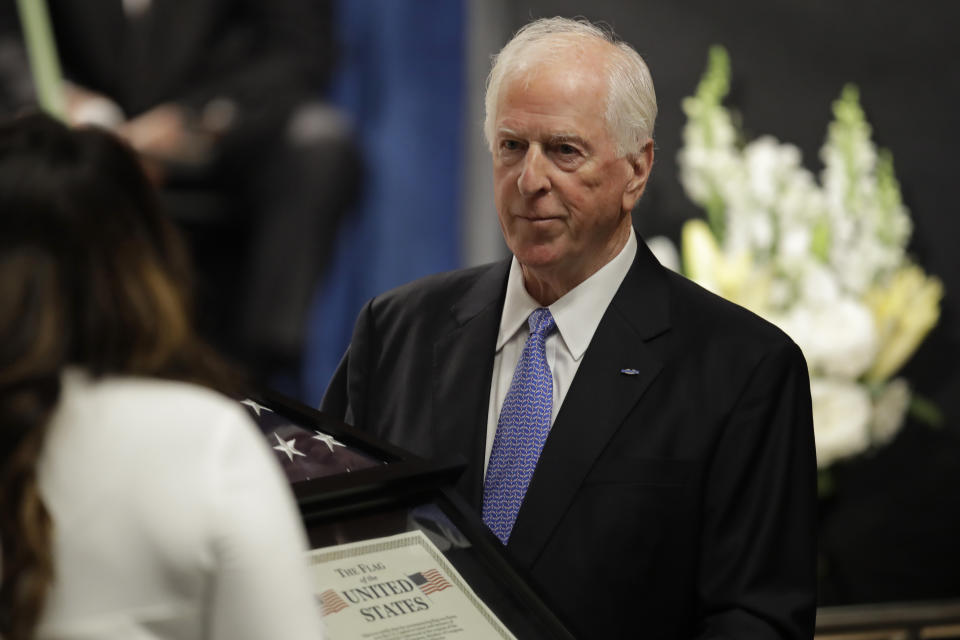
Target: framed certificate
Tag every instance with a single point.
(398, 587)
(386, 528)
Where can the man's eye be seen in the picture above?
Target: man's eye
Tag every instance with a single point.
(509, 145)
(567, 149)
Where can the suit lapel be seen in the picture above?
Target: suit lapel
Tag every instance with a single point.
(597, 402)
(462, 367)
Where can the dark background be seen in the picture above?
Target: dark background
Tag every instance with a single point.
(891, 531)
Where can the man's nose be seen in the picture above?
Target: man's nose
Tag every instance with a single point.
(533, 176)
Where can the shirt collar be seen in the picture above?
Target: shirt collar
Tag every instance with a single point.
(578, 312)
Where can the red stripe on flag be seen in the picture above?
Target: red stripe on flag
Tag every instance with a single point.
(435, 582)
(331, 602)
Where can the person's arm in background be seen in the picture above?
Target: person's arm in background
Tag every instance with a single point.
(17, 91)
(161, 134)
(263, 60)
(273, 56)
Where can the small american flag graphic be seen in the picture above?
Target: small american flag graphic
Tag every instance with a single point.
(430, 581)
(331, 602)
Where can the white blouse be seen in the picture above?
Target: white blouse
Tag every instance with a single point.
(171, 519)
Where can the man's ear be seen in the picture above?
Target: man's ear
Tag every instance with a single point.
(640, 165)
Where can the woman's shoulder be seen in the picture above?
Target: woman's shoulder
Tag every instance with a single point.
(149, 407)
(158, 435)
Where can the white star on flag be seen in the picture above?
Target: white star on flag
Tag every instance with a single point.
(286, 446)
(256, 406)
(327, 440)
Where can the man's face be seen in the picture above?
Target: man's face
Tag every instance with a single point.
(563, 196)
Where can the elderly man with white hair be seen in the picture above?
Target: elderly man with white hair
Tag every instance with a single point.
(641, 447)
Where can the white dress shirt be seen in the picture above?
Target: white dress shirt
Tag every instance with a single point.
(172, 519)
(577, 314)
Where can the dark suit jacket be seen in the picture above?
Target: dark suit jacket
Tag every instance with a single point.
(675, 503)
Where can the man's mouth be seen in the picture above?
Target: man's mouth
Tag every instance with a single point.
(529, 217)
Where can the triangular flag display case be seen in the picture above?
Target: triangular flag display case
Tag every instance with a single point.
(353, 488)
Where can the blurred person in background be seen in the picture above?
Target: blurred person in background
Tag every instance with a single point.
(135, 500)
(222, 98)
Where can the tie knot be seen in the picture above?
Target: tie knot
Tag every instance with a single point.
(541, 322)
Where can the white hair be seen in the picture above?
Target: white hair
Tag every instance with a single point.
(631, 104)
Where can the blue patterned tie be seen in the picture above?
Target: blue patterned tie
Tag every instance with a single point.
(521, 430)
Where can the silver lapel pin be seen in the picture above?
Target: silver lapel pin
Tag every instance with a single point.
(629, 372)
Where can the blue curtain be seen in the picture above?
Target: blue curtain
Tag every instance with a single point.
(401, 78)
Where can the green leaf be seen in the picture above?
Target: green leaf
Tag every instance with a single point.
(887, 185)
(889, 199)
(717, 216)
(713, 88)
(926, 411)
(715, 83)
(847, 132)
(820, 240)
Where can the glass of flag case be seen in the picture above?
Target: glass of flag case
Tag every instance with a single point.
(396, 554)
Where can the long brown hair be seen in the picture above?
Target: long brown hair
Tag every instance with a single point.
(91, 274)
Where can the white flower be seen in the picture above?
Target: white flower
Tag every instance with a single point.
(708, 171)
(761, 229)
(824, 261)
(770, 166)
(795, 243)
(763, 160)
(889, 409)
(818, 285)
(837, 339)
(841, 414)
(781, 296)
